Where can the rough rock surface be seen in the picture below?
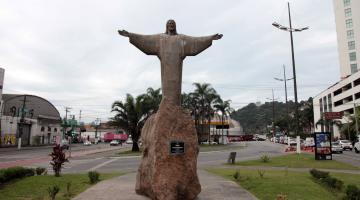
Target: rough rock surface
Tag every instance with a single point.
(162, 176)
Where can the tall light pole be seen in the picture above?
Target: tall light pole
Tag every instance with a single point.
(273, 113)
(291, 30)
(285, 79)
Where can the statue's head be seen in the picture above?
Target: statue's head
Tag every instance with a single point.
(171, 27)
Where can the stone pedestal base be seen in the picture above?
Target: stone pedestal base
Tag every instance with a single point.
(162, 175)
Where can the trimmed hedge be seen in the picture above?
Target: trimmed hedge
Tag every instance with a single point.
(352, 193)
(326, 179)
(319, 174)
(12, 173)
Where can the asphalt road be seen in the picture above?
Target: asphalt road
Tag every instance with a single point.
(106, 162)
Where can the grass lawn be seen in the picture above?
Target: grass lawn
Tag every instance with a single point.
(295, 185)
(35, 187)
(203, 148)
(303, 160)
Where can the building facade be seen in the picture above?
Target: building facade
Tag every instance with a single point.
(344, 95)
(347, 19)
(41, 122)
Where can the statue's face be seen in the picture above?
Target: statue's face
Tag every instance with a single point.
(171, 26)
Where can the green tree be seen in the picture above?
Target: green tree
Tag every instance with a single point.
(205, 96)
(131, 115)
(223, 107)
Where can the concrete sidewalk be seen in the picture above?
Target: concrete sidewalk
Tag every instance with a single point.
(123, 188)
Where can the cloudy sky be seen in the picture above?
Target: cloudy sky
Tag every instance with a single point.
(69, 52)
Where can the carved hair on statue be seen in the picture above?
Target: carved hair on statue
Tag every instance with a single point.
(167, 28)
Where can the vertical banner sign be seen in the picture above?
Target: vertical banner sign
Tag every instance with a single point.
(322, 146)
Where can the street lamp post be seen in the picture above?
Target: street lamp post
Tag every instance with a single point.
(291, 30)
(285, 79)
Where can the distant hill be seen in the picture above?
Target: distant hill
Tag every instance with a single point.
(254, 119)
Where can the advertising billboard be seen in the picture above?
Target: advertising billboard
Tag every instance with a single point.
(322, 146)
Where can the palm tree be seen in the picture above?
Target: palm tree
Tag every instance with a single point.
(152, 99)
(223, 107)
(205, 96)
(131, 116)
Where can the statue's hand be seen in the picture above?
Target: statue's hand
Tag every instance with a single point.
(124, 33)
(217, 36)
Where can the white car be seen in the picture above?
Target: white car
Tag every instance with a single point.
(129, 141)
(346, 144)
(357, 147)
(114, 143)
(87, 143)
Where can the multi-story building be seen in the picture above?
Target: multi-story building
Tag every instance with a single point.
(344, 95)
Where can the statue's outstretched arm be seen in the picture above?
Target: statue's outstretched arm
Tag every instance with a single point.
(149, 44)
(195, 45)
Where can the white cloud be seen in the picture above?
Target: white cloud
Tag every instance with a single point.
(70, 53)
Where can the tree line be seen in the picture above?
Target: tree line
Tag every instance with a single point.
(257, 119)
(203, 104)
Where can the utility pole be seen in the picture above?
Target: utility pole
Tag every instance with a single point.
(273, 113)
(67, 109)
(22, 120)
(97, 124)
(291, 30)
(273, 106)
(356, 120)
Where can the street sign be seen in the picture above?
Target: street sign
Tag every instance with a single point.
(333, 115)
(225, 126)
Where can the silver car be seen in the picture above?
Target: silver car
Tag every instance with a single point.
(336, 147)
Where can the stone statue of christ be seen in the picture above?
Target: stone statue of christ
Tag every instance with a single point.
(171, 48)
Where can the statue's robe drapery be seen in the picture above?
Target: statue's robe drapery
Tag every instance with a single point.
(171, 50)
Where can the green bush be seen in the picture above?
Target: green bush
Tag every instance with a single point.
(39, 170)
(352, 193)
(53, 191)
(93, 176)
(333, 182)
(237, 175)
(265, 158)
(319, 174)
(12, 173)
(261, 173)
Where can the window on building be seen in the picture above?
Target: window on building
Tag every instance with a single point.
(329, 103)
(351, 45)
(325, 104)
(321, 106)
(349, 23)
(55, 129)
(348, 12)
(49, 129)
(353, 68)
(352, 56)
(346, 2)
(42, 129)
(350, 34)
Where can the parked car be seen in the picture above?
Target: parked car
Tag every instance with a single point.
(357, 147)
(309, 142)
(293, 141)
(346, 144)
(129, 141)
(207, 142)
(114, 143)
(87, 143)
(64, 144)
(336, 147)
